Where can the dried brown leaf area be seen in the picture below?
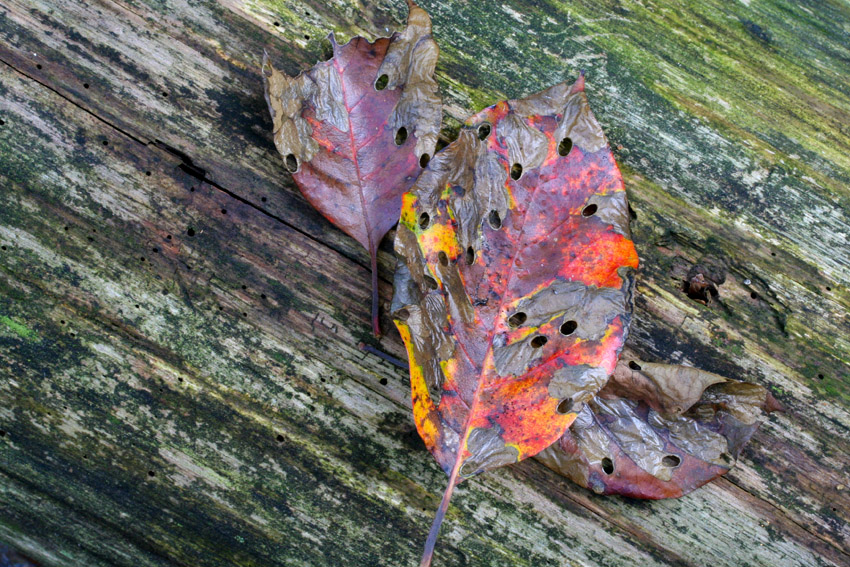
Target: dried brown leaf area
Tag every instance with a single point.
(659, 431)
(354, 129)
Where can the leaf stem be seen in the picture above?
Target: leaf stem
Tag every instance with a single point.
(438, 518)
(376, 325)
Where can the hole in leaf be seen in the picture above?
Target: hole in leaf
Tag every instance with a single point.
(495, 220)
(516, 171)
(483, 131)
(565, 146)
(671, 461)
(589, 210)
(444, 260)
(382, 82)
(423, 161)
(607, 465)
(431, 282)
(565, 406)
(424, 220)
(568, 328)
(402, 314)
(538, 341)
(517, 319)
(400, 136)
(634, 365)
(291, 163)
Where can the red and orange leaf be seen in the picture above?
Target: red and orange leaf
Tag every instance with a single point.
(353, 129)
(513, 292)
(659, 431)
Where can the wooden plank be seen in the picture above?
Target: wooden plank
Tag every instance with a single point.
(705, 178)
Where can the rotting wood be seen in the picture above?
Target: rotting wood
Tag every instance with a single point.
(734, 145)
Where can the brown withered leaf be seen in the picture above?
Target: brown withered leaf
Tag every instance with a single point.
(354, 129)
(659, 440)
(513, 292)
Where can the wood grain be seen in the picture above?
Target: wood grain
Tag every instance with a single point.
(169, 304)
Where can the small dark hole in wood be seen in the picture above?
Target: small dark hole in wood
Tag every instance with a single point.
(191, 189)
(277, 24)
(671, 461)
(754, 295)
(164, 93)
(382, 381)
(773, 253)
(381, 83)
(538, 341)
(483, 131)
(165, 292)
(495, 220)
(568, 328)
(224, 211)
(431, 283)
(589, 210)
(828, 288)
(2, 122)
(244, 314)
(402, 314)
(470, 256)
(280, 438)
(148, 173)
(168, 237)
(632, 212)
(423, 161)
(517, 319)
(820, 376)
(307, 37)
(191, 232)
(244, 287)
(607, 465)
(151, 474)
(2, 433)
(400, 136)
(106, 142)
(444, 260)
(424, 220)
(2, 248)
(263, 199)
(155, 250)
(142, 259)
(262, 296)
(565, 406)
(291, 163)
(634, 365)
(565, 146)
(67, 228)
(516, 171)
(62, 321)
(85, 85)
(38, 66)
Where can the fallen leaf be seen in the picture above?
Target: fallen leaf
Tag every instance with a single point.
(621, 443)
(354, 129)
(513, 291)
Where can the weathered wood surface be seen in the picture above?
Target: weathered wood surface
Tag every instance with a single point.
(181, 381)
